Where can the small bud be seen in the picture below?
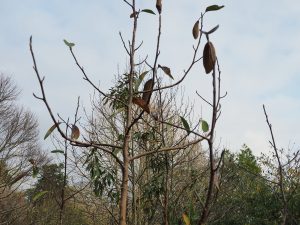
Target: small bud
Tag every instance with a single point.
(158, 6)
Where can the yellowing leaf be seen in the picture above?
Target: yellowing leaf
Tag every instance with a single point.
(186, 219)
(166, 70)
(51, 129)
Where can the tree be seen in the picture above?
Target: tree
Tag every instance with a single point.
(283, 168)
(137, 107)
(246, 196)
(19, 149)
(45, 199)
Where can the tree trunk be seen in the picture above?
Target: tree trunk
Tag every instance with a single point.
(124, 188)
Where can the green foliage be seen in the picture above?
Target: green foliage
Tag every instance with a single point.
(245, 192)
(39, 195)
(50, 179)
(186, 125)
(204, 126)
(69, 44)
(118, 94)
(247, 160)
(103, 178)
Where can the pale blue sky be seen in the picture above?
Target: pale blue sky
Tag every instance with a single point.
(257, 44)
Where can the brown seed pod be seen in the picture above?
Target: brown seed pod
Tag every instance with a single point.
(75, 132)
(158, 6)
(148, 87)
(209, 57)
(196, 30)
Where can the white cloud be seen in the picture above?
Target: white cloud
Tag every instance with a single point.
(257, 44)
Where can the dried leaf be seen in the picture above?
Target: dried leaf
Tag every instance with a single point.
(148, 87)
(196, 30)
(75, 133)
(158, 6)
(186, 219)
(141, 103)
(209, 57)
(166, 70)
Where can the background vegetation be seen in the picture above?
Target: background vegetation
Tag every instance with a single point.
(141, 155)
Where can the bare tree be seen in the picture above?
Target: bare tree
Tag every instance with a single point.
(19, 148)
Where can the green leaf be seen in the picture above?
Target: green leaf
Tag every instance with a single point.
(214, 8)
(204, 126)
(120, 137)
(51, 129)
(148, 11)
(69, 44)
(213, 30)
(139, 80)
(186, 125)
(39, 195)
(58, 151)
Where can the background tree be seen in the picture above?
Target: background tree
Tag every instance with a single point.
(19, 150)
(46, 201)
